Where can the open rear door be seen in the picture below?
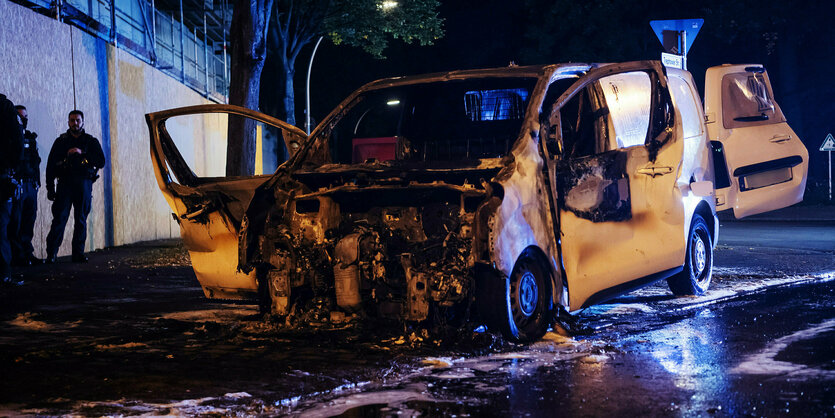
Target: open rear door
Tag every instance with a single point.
(188, 151)
(759, 162)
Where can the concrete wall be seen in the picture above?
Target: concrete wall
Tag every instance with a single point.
(51, 68)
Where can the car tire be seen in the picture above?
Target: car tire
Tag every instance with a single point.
(698, 261)
(528, 306)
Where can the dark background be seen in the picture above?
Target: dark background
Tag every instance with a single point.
(794, 40)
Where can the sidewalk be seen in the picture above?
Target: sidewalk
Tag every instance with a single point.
(796, 213)
(157, 262)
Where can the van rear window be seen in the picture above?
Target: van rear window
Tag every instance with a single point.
(505, 104)
(747, 100)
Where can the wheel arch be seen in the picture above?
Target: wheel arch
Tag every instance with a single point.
(493, 287)
(703, 209)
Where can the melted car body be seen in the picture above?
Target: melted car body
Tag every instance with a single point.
(501, 195)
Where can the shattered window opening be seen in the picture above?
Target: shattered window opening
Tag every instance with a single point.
(578, 120)
(206, 159)
(555, 90)
(442, 121)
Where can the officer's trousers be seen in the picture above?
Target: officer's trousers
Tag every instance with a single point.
(22, 223)
(75, 193)
(5, 248)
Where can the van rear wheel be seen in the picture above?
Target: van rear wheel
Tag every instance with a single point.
(698, 262)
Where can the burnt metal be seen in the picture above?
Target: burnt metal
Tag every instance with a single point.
(597, 187)
(383, 249)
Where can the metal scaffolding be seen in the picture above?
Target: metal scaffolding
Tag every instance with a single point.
(184, 38)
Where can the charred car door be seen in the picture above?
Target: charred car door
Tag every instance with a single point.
(760, 163)
(613, 156)
(190, 143)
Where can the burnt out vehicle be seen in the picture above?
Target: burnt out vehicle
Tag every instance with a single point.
(499, 195)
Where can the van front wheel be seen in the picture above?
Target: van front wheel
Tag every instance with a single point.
(528, 305)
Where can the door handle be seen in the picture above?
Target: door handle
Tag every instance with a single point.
(780, 138)
(655, 171)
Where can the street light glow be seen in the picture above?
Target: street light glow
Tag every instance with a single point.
(394, 102)
(388, 5)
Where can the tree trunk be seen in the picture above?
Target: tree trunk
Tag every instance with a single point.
(289, 93)
(248, 50)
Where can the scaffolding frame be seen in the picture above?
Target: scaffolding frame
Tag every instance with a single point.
(186, 39)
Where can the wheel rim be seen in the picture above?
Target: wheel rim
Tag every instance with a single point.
(528, 293)
(699, 255)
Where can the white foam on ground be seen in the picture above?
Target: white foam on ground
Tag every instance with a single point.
(625, 308)
(211, 315)
(719, 292)
(549, 352)
(764, 362)
(742, 286)
(237, 395)
(187, 407)
(733, 271)
(395, 399)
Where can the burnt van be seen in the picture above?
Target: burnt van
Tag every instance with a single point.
(498, 195)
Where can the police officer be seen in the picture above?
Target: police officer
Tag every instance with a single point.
(25, 207)
(74, 160)
(11, 144)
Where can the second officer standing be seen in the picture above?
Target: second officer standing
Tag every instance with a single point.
(74, 160)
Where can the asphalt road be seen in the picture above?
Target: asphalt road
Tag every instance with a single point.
(811, 236)
(130, 333)
(776, 247)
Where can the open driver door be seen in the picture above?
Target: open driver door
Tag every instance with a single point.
(188, 152)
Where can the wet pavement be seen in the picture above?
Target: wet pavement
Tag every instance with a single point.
(130, 333)
(765, 353)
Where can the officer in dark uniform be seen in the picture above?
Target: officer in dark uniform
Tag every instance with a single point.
(11, 145)
(25, 207)
(75, 159)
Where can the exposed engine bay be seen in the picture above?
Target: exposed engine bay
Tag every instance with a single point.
(410, 259)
